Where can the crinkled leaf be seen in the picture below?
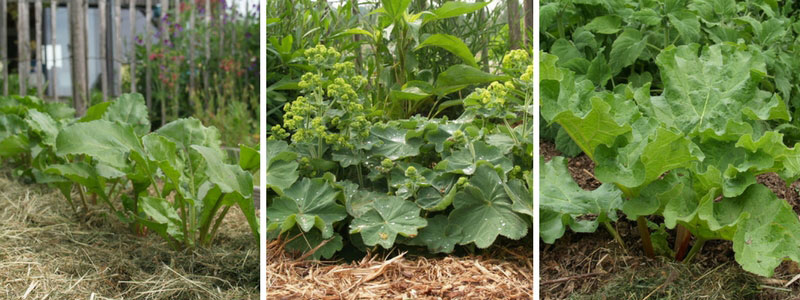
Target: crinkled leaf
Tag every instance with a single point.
(716, 93)
(129, 109)
(105, 141)
(560, 195)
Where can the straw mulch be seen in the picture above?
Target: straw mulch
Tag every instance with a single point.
(47, 252)
(499, 274)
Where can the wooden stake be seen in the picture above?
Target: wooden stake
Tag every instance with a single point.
(78, 42)
(23, 46)
(53, 11)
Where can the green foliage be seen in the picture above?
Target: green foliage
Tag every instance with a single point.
(680, 107)
(342, 173)
(111, 155)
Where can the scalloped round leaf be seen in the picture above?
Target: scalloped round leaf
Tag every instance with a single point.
(311, 240)
(388, 217)
(465, 161)
(390, 142)
(439, 236)
(308, 203)
(484, 211)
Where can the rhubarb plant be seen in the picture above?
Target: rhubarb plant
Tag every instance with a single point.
(688, 152)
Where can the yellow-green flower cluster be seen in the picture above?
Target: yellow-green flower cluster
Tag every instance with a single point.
(528, 75)
(320, 56)
(331, 109)
(310, 80)
(342, 90)
(516, 59)
(494, 96)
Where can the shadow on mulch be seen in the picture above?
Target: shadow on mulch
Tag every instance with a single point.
(46, 252)
(594, 266)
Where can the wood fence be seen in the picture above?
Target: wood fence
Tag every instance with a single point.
(112, 51)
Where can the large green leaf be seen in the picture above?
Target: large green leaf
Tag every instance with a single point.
(608, 24)
(452, 44)
(598, 127)
(308, 203)
(395, 8)
(161, 212)
(129, 109)
(388, 218)
(454, 8)
(521, 196)
(249, 157)
(439, 236)
(649, 153)
(310, 240)
(567, 204)
(43, 125)
(459, 76)
(715, 95)
(230, 178)
(281, 166)
(390, 141)
(105, 141)
(626, 49)
(465, 161)
(483, 210)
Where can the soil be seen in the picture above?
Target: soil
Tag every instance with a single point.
(595, 266)
(47, 251)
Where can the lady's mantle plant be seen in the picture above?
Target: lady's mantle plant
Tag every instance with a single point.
(340, 172)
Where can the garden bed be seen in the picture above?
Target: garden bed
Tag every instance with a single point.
(594, 266)
(501, 273)
(46, 252)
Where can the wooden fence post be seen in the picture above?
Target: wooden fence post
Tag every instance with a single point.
(53, 8)
(78, 41)
(162, 25)
(101, 6)
(528, 11)
(117, 54)
(208, 52)
(192, 8)
(23, 46)
(176, 86)
(37, 8)
(148, 88)
(3, 44)
(513, 24)
(132, 46)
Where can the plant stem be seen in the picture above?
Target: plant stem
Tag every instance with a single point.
(682, 242)
(83, 198)
(207, 223)
(360, 177)
(615, 234)
(216, 225)
(645, 233)
(698, 245)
